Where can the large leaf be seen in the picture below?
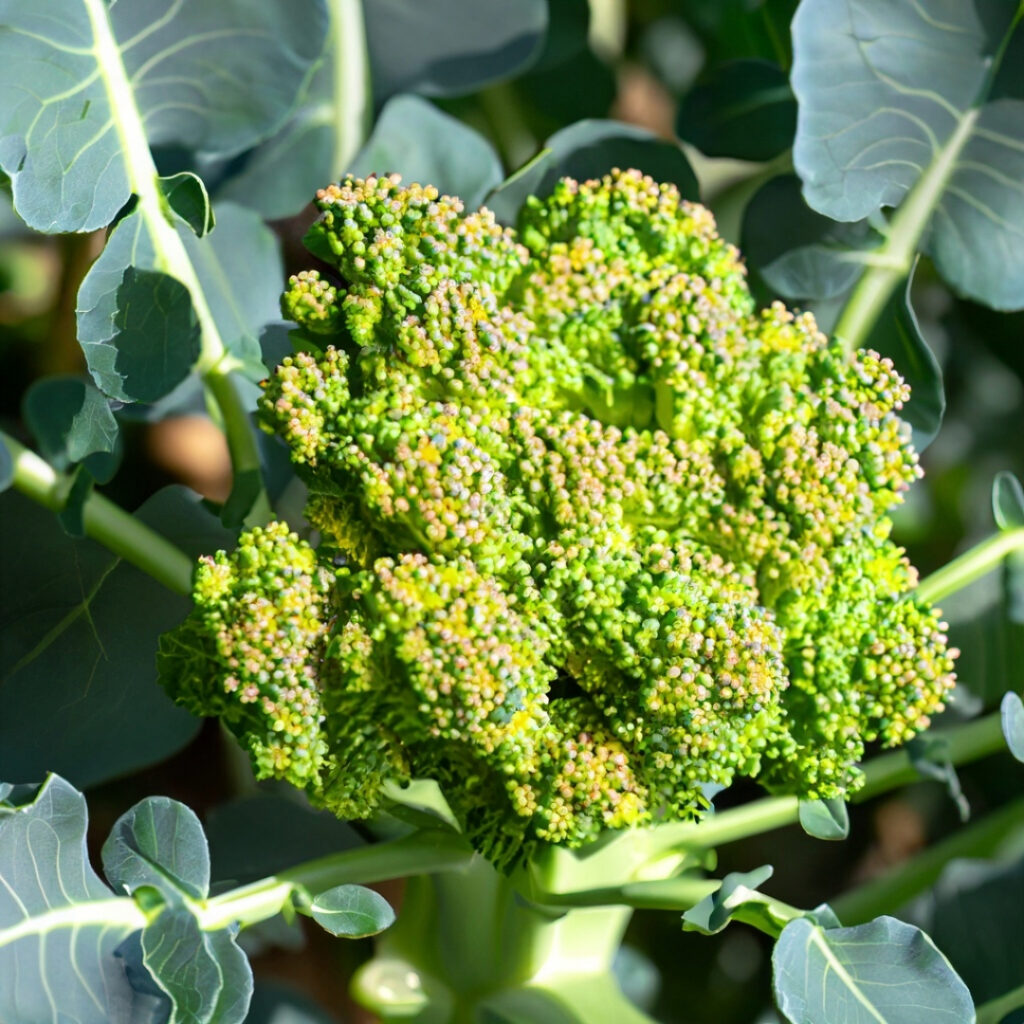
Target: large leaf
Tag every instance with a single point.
(888, 93)
(59, 925)
(971, 919)
(450, 47)
(883, 972)
(743, 109)
(239, 270)
(423, 144)
(589, 149)
(71, 72)
(78, 645)
(317, 144)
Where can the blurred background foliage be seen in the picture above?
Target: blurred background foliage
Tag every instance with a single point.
(702, 79)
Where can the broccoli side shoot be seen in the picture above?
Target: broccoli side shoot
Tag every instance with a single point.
(594, 533)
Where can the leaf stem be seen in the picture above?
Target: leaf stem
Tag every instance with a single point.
(216, 361)
(415, 854)
(119, 531)
(353, 110)
(971, 565)
(996, 1010)
(892, 262)
(897, 887)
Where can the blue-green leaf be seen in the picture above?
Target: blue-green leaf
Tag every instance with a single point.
(1007, 501)
(714, 912)
(589, 149)
(450, 47)
(156, 337)
(744, 109)
(883, 972)
(277, 1004)
(352, 911)
(160, 843)
(72, 422)
(61, 61)
(79, 647)
(205, 974)
(187, 196)
(825, 819)
(1011, 711)
(888, 93)
(240, 292)
(52, 967)
(897, 334)
(423, 144)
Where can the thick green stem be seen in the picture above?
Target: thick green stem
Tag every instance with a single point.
(971, 565)
(889, 265)
(899, 886)
(353, 110)
(119, 531)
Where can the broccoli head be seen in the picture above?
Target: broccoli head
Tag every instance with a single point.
(594, 533)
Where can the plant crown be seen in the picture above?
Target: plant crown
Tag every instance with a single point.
(595, 535)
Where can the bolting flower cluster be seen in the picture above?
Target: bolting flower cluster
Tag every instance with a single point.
(595, 534)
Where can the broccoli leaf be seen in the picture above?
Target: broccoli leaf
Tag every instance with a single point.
(424, 144)
(883, 972)
(1007, 501)
(60, 925)
(744, 109)
(737, 890)
(240, 294)
(79, 645)
(450, 47)
(142, 63)
(588, 149)
(825, 819)
(889, 108)
(352, 911)
(186, 193)
(1012, 713)
(72, 422)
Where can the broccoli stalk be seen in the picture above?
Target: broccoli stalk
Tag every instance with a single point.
(595, 535)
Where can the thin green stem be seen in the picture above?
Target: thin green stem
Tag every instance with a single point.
(971, 565)
(415, 854)
(995, 1010)
(897, 887)
(964, 743)
(119, 531)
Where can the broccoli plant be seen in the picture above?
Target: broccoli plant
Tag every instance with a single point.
(558, 555)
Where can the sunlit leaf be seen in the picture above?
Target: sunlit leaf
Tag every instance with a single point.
(825, 819)
(883, 972)
(1011, 712)
(62, 61)
(56, 968)
(352, 911)
(1007, 501)
(714, 912)
(241, 293)
(888, 93)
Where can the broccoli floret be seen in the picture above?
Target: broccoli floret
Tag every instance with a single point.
(595, 534)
